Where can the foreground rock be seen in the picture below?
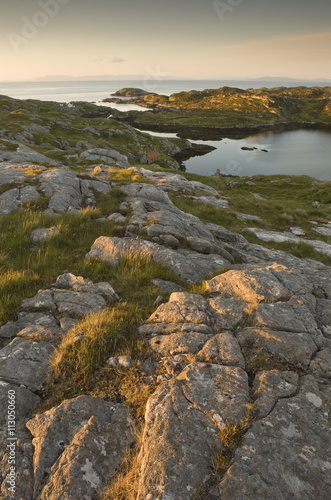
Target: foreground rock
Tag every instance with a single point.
(24, 366)
(191, 266)
(78, 446)
(183, 418)
(284, 455)
(259, 323)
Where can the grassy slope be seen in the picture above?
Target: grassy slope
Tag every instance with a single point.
(65, 133)
(226, 107)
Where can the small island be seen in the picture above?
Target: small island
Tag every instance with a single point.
(211, 113)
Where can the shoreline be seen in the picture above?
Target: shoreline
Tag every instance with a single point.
(218, 133)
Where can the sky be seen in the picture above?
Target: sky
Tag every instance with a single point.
(183, 39)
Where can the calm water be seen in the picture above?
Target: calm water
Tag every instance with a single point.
(299, 152)
(98, 90)
(289, 153)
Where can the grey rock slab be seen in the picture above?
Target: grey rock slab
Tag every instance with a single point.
(211, 200)
(285, 455)
(20, 449)
(228, 313)
(179, 443)
(254, 285)
(24, 362)
(38, 332)
(45, 320)
(78, 447)
(291, 316)
(11, 174)
(42, 234)
(11, 199)
(191, 266)
(79, 284)
(117, 218)
(264, 235)
(182, 308)
(175, 182)
(167, 286)
(108, 156)
(219, 391)
(222, 349)
(182, 420)
(292, 279)
(9, 330)
(77, 304)
(24, 154)
(155, 329)
(320, 367)
(179, 343)
(325, 230)
(269, 387)
(68, 192)
(241, 216)
(147, 192)
(292, 349)
(42, 301)
(297, 231)
(63, 187)
(323, 308)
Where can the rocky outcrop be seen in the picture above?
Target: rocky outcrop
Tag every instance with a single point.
(24, 366)
(318, 245)
(68, 192)
(191, 266)
(273, 339)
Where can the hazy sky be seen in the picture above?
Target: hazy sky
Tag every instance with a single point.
(175, 38)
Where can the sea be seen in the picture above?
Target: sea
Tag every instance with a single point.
(299, 152)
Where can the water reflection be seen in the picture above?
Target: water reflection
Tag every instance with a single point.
(298, 152)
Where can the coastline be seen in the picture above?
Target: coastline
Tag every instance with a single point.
(218, 133)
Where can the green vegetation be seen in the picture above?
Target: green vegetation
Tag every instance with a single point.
(228, 107)
(61, 133)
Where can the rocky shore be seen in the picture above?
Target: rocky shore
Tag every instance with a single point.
(147, 353)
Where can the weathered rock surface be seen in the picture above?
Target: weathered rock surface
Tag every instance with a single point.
(32, 359)
(175, 182)
(191, 266)
(182, 420)
(26, 155)
(68, 192)
(108, 156)
(15, 441)
(11, 199)
(78, 447)
(284, 455)
(260, 321)
(24, 365)
(318, 245)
